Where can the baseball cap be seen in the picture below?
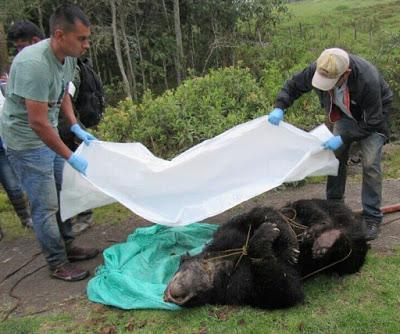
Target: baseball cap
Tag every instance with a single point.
(331, 64)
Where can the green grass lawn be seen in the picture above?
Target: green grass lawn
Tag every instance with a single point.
(313, 10)
(368, 302)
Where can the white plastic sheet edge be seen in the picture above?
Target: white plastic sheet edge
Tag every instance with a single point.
(139, 167)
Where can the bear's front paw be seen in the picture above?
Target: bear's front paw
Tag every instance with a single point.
(294, 255)
(268, 231)
(324, 243)
(260, 244)
(312, 233)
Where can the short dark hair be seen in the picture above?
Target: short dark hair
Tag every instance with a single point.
(65, 17)
(24, 30)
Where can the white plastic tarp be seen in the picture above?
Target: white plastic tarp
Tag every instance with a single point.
(205, 180)
(2, 100)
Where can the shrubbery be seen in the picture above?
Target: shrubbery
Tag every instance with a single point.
(198, 109)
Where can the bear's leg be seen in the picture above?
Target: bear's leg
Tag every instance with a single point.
(310, 214)
(355, 261)
(260, 244)
(276, 285)
(324, 242)
(287, 246)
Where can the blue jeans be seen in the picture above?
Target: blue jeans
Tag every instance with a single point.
(40, 170)
(371, 149)
(8, 177)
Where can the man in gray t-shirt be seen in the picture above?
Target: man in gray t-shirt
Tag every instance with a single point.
(36, 93)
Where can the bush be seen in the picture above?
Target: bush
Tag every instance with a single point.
(199, 109)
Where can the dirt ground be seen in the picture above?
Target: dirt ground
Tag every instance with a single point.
(41, 294)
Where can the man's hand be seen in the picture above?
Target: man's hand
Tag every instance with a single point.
(275, 116)
(79, 163)
(82, 134)
(333, 143)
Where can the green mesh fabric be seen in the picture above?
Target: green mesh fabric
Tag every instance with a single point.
(136, 273)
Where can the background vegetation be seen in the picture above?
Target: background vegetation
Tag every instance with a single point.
(180, 80)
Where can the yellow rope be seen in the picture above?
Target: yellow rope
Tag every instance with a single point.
(244, 251)
(235, 251)
(292, 221)
(328, 266)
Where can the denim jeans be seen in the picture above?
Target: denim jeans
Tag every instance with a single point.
(8, 177)
(371, 149)
(40, 170)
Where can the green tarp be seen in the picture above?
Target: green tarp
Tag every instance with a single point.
(136, 273)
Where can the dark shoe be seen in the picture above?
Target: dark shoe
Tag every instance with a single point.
(70, 273)
(75, 253)
(1, 233)
(27, 222)
(372, 230)
(82, 222)
(78, 227)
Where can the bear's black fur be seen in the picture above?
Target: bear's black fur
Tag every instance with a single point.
(333, 234)
(265, 277)
(266, 274)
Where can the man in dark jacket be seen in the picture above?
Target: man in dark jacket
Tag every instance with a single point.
(357, 100)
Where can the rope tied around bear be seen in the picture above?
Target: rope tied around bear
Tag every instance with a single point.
(291, 221)
(327, 266)
(243, 251)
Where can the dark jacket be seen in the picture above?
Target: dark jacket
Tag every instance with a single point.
(370, 97)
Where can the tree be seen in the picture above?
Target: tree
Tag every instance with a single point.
(3, 50)
(117, 47)
(179, 45)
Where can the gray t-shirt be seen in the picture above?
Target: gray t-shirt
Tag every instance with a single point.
(36, 74)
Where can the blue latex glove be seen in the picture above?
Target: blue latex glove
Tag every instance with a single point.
(333, 143)
(275, 116)
(82, 134)
(79, 163)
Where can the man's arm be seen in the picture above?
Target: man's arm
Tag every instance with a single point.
(67, 109)
(38, 121)
(295, 87)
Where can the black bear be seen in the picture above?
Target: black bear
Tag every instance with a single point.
(250, 261)
(332, 238)
(252, 258)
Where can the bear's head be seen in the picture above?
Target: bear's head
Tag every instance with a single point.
(197, 278)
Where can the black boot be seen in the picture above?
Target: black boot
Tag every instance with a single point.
(372, 230)
(21, 207)
(1, 233)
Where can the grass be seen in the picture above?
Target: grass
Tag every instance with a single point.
(362, 27)
(345, 15)
(12, 228)
(363, 303)
(314, 10)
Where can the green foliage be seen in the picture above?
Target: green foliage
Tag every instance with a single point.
(198, 109)
(118, 122)
(18, 326)
(342, 7)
